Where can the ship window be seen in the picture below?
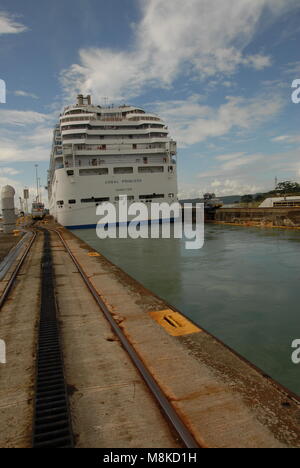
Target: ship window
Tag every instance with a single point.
(60, 202)
(153, 195)
(69, 172)
(72, 202)
(102, 199)
(121, 197)
(98, 171)
(93, 199)
(123, 170)
(171, 195)
(151, 169)
(87, 200)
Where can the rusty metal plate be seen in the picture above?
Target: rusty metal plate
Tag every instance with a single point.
(94, 254)
(174, 323)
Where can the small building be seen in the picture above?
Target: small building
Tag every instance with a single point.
(280, 202)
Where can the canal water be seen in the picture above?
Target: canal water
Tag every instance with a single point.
(243, 286)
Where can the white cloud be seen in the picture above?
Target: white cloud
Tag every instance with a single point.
(233, 164)
(22, 118)
(198, 38)
(192, 122)
(259, 62)
(189, 192)
(40, 136)
(234, 187)
(9, 171)
(8, 25)
(221, 187)
(241, 162)
(230, 156)
(25, 94)
(14, 152)
(25, 135)
(241, 173)
(293, 68)
(280, 138)
(290, 139)
(32, 146)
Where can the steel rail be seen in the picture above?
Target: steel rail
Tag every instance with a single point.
(16, 271)
(168, 410)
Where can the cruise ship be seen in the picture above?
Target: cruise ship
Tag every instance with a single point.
(102, 154)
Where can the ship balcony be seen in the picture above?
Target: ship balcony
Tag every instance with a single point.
(144, 118)
(90, 144)
(147, 137)
(120, 141)
(82, 117)
(136, 140)
(113, 132)
(173, 146)
(86, 162)
(116, 151)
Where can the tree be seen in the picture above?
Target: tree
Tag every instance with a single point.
(288, 187)
(247, 198)
(259, 197)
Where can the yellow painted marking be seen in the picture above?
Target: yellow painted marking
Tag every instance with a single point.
(174, 323)
(94, 254)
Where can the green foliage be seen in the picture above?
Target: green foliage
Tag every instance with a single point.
(283, 188)
(259, 197)
(247, 199)
(288, 187)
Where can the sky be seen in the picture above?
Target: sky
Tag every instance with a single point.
(219, 72)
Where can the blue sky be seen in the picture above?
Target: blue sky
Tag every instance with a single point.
(219, 72)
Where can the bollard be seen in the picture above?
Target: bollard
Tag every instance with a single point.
(8, 209)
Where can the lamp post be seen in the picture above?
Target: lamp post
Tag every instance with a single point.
(37, 182)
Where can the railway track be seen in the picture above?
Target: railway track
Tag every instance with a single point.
(52, 425)
(166, 407)
(52, 421)
(13, 277)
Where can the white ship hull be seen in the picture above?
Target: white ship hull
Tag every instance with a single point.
(80, 215)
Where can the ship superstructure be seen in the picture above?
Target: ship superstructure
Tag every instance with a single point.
(100, 154)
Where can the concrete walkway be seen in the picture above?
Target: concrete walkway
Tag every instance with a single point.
(18, 322)
(222, 398)
(110, 404)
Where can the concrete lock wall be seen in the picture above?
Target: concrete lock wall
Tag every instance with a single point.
(273, 216)
(8, 209)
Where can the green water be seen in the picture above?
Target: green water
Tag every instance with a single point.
(243, 286)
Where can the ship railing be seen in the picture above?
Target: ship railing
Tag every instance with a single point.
(127, 139)
(120, 148)
(109, 119)
(65, 119)
(101, 163)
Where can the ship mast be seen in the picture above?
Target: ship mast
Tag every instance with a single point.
(37, 183)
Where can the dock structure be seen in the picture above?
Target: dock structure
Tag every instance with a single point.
(137, 373)
(278, 216)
